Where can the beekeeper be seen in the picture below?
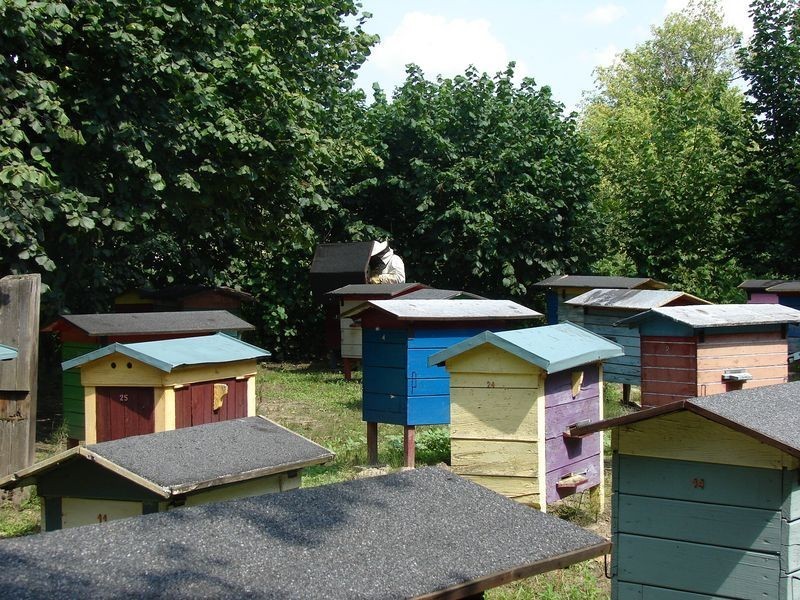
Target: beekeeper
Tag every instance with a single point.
(385, 266)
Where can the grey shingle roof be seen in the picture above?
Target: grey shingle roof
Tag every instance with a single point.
(632, 299)
(787, 286)
(384, 290)
(437, 294)
(770, 414)
(200, 321)
(447, 310)
(719, 315)
(192, 457)
(758, 284)
(394, 536)
(599, 281)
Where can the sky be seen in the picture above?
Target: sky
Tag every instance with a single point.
(558, 43)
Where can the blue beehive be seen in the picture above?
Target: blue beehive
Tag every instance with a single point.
(398, 337)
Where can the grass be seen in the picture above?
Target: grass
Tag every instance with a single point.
(321, 406)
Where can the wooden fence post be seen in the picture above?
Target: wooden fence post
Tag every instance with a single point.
(19, 328)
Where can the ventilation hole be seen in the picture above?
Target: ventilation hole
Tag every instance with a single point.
(130, 366)
(113, 365)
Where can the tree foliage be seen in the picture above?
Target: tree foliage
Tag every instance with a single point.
(771, 66)
(150, 142)
(481, 182)
(669, 135)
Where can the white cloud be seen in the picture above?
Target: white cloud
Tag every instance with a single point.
(605, 14)
(735, 13)
(442, 46)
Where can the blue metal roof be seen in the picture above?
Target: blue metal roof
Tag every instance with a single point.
(167, 355)
(553, 348)
(7, 352)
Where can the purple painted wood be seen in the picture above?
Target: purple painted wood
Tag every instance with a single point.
(763, 299)
(560, 452)
(559, 418)
(558, 386)
(593, 471)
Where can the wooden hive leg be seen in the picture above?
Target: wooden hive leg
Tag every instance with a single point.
(372, 442)
(626, 393)
(597, 498)
(347, 367)
(409, 445)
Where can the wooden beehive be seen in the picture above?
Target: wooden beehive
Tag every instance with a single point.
(560, 288)
(514, 394)
(399, 335)
(80, 334)
(692, 351)
(706, 500)
(161, 471)
(146, 387)
(604, 307)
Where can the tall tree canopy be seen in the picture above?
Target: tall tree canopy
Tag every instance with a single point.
(771, 66)
(151, 141)
(669, 135)
(481, 183)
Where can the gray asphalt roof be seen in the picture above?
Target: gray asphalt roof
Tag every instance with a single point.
(180, 460)
(387, 290)
(393, 536)
(437, 294)
(631, 299)
(447, 310)
(201, 321)
(770, 414)
(786, 286)
(758, 284)
(599, 281)
(720, 315)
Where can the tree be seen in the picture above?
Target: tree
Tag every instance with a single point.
(152, 142)
(480, 184)
(669, 134)
(771, 66)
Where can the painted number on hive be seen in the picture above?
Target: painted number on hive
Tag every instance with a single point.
(102, 518)
(490, 384)
(698, 483)
(123, 397)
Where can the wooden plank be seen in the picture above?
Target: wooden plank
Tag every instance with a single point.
(730, 485)
(529, 381)
(669, 374)
(438, 336)
(511, 487)
(790, 551)
(493, 413)
(249, 393)
(215, 372)
(385, 380)
(558, 386)
(687, 436)
(790, 508)
(668, 346)
(427, 386)
(708, 389)
(741, 338)
(672, 362)
(559, 418)
(698, 568)
(561, 452)
(489, 359)
(758, 373)
(490, 457)
(742, 361)
(614, 377)
(636, 591)
(384, 355)
(718, 525)
(675, 388)
(743, 350)
(428, 410)
(590, 466)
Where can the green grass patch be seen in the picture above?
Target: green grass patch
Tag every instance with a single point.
(20, 520)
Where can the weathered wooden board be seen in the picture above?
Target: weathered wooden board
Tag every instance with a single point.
(790, 538)
(558, 386)
(484, 457)
(669, 346)
(511, 487)
(745, 349)
(527, 381)
(636, 591)
(698, 568)
(699, 482)
(19, 328)
(687, 436)
(791, 495)
(561, 452)
(719, 525)
(759, 374)
(559, 418)
(493, 413)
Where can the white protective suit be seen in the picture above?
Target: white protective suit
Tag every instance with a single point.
(390, 267)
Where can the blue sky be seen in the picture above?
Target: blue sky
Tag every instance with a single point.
(557, 43)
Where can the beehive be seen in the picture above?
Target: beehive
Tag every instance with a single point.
(514, 394)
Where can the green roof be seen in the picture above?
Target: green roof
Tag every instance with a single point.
(7, 352)
(553, 348)
(167, 355)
